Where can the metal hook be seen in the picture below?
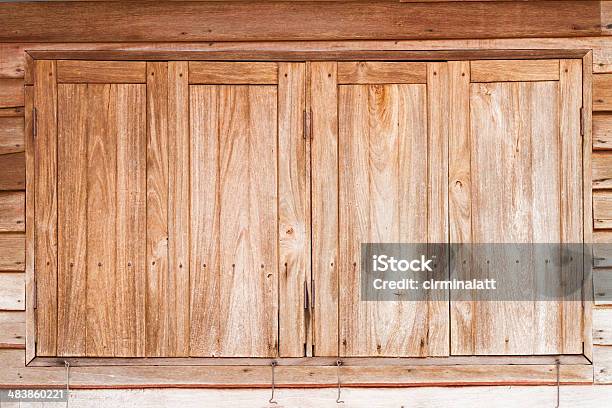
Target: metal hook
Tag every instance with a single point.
(67, 365)
(271, 400)
(338, 364)
(558, 363)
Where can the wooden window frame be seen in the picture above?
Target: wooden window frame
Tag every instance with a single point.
(321, 371)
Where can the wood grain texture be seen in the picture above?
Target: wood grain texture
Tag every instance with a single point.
(157, 295)
(233, 73)
(602, 131)
(602, 170)
(242, 264)
(602, 363)
(12, 330)
(602, 249)
(205, 279)
(12, 61)
(15, 375)
(45, 192)
(602, 210)
(101, 72)
(514, 70)
(12, 291)
(178, 209)
(11, 135)
(101, 214)
(602, 287)
(11, 92)
(12, 112)
(506, 158)
(571, 207)
(259, 21)
(376, 187)
(438, 108)
(12, 168)
(459, 200)
(12, 256)
(12, 211)
(602, 92)
(129, 128)
(602, 327)
(325, 168)
(372, 72)
(72, 185)
(293, 209)
(30, 254)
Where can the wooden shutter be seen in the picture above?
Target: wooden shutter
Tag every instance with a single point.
(516, 177)
(172, 209)
(372, 182)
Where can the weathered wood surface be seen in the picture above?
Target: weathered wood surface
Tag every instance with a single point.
(458, 397)
(602, 364)
(12, 291)
(602, 170)
(12, 168)
(602, 287)
(101, 72)
(602, 131)
(602, 210)
(11, 92)
(12, 211)
(259, 21)
(11, 134)
(12, 255)
(372, 72)
(602, 92)
(233, 73)
(324, 193)
(12, 330)
(602, 326)
(514, 70)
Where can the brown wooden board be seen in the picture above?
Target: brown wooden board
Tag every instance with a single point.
(12, 211)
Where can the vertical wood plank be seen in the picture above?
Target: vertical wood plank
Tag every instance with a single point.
(572, 222)
(30, 324)
(157, 317)
(248, 228)
(459, 201)
(204, 221)
(45, 102)
(292, 187)
(72, 219)
(324, 162)
(178, 208)
(101, 219)
(437, 198)
(204, 224)
(587, 204)
(130, 128)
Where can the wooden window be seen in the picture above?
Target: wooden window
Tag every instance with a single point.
(175, 203)
(172, 205)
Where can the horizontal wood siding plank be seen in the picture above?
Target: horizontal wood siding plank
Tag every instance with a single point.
(602, 210)
(12, 330)
(602, 170)
(262, 20)
(13, 375)
(12, 60)
(602, 92)
(602, 249)
(602, 364)
(12, 252)
(233, 73)
(11, 93)
(11, 135)
(602, 131)
(12, 171)
(11, 112)
(12, 292)
(602, 327)
(514, 70)
(101, 72)
(12, 211)
(364, 72)
(602, 285)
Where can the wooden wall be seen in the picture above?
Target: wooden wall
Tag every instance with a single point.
(590, 19)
